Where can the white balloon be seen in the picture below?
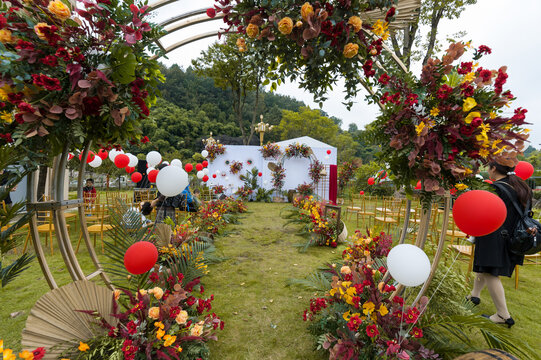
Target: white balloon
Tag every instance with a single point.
(217, 172)
(113, 153)
(479, 176)
(150, 169)
(408, 264)
(96, 162)
(200, 174)
(204, 153)
(202, 184)
(153, 158)
(171, 180)
(206, 171)
(265, 182)
(165, 163)
(176, 162)
(133, 160)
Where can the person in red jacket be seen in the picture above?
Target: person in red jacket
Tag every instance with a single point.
(89, 192)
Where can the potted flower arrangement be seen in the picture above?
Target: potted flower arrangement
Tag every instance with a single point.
(297, 150)
(316, 171)
(75, 73)
(214, 149)
(270, 151)
(235, 167)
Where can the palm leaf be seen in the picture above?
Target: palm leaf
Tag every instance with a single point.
(317, 281)
(9, 273)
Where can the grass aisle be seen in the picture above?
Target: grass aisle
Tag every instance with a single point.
(263, 317)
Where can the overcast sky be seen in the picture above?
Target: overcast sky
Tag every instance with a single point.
(510, 28)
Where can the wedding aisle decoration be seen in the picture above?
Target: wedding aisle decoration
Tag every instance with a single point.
(270, 151)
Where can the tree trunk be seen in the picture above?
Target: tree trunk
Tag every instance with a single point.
(436, 17)
(254, 116)
(42, 179)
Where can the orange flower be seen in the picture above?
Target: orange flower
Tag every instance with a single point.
(356, 22)
(157, 292)
(116, 294)
(154, 312)
(5, 36)
(38, 32)
(59, 9)
(241, 43)
(285, 26)
(350, 50)
(252, 30)
(306, 10)
(83, 346)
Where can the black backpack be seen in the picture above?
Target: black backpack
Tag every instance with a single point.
(520, 241)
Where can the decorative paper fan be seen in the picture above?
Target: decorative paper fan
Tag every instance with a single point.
(163, 233)
(55, 321)
(272, 166)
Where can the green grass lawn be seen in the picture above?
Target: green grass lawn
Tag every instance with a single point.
(263, 316)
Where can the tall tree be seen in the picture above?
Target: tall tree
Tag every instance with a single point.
(431, 13)
(238, 71)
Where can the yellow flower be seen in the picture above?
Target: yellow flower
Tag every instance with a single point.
(116, 294)
(495, 143)
(484, 127)
(368, 307)
(6, 117)
(8, 354)
(306, 10)
(285, 26)
(469, 103)
(332, 292)
(40, 33)
(500, 150)
(197, 330)
(298, 23)
(157, 292)
(154, 312)
(419, 128)
(434, 111)
(468, 77)
(169, 339)
(471, 116)
(159, 334)
(356, 22)
(3, 95)
(1, 345)
(59, 9)
(484, 152)
(461, 186)
(5, 36)
(27, 355)
(143, 292)
(252, 30)
(159, 324)
(83, 346)
(179, 349)
(350, 50)
(380, 29)
(182, 317)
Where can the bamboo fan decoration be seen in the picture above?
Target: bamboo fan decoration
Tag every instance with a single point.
(163, 234)
(55, 322)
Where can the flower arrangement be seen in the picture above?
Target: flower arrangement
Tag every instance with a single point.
(243, 192)
(235, 167)
(278, 176)
(441, 128)
(305, 189)
(164, 321)
(316, 42)
(346, 173)
(270, 151)
(214, 149)
(218, 189)
(315, 171)
(297, 150)
(82, 73)
(357, 318)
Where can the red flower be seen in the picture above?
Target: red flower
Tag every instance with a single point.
(24, 45)
(19, 118)
(15, 98)
(142, 105)
(416, 332)
(92, 105)
(106, 2)
(483, 49)
(444, 91)
(476, 122)
(3, 21)
(484, 74)
(384, 79)
(63, 54)
(26, 107)
(49, 83)
(211, 13)
(467, 90)
(49, 60)
(39, 353)
(154, 277)
(453, 191)
(367, 67)
(132, 328)
(145, 139)
(411, 100)
(508, 95)
(372, 330)
(398, 300)
(412, 315)
(466, 130)
(354, 323)
(7, 137)
(501, 79)
(465, 67)
(390, 13)
(520, 115)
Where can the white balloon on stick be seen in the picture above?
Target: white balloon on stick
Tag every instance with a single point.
(176, 162)
(96, 162)
(171, 180)
(113, 153)
(153, 158)
(205, 153)
(205, 171)
(408, 264)
(133, 160)
(200, 174)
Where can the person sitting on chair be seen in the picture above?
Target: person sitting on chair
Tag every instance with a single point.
(89, 193)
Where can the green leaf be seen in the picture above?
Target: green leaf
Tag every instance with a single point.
(123, 65)
(71, 22)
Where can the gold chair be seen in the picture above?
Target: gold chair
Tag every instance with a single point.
(45, 226)
(100, 228)
(365, 211)
(389, 214)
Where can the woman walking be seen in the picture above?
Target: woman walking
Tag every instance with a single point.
(492, 258)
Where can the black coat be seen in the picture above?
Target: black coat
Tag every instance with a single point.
(491, 254)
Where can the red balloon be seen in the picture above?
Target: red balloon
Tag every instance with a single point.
(479, 212)
(260, 174)
(140, 257)
(122, 160)
(152, 175)
(103, 154)
(130, 169)
(524, 170)
(199, 167)
(136, 177)
(205, 163)
(89, 158)
(205, 178)
(361, 192)
(328, 152)
(371, 181)
(418, 186)
(188, 167)
(488, 181)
